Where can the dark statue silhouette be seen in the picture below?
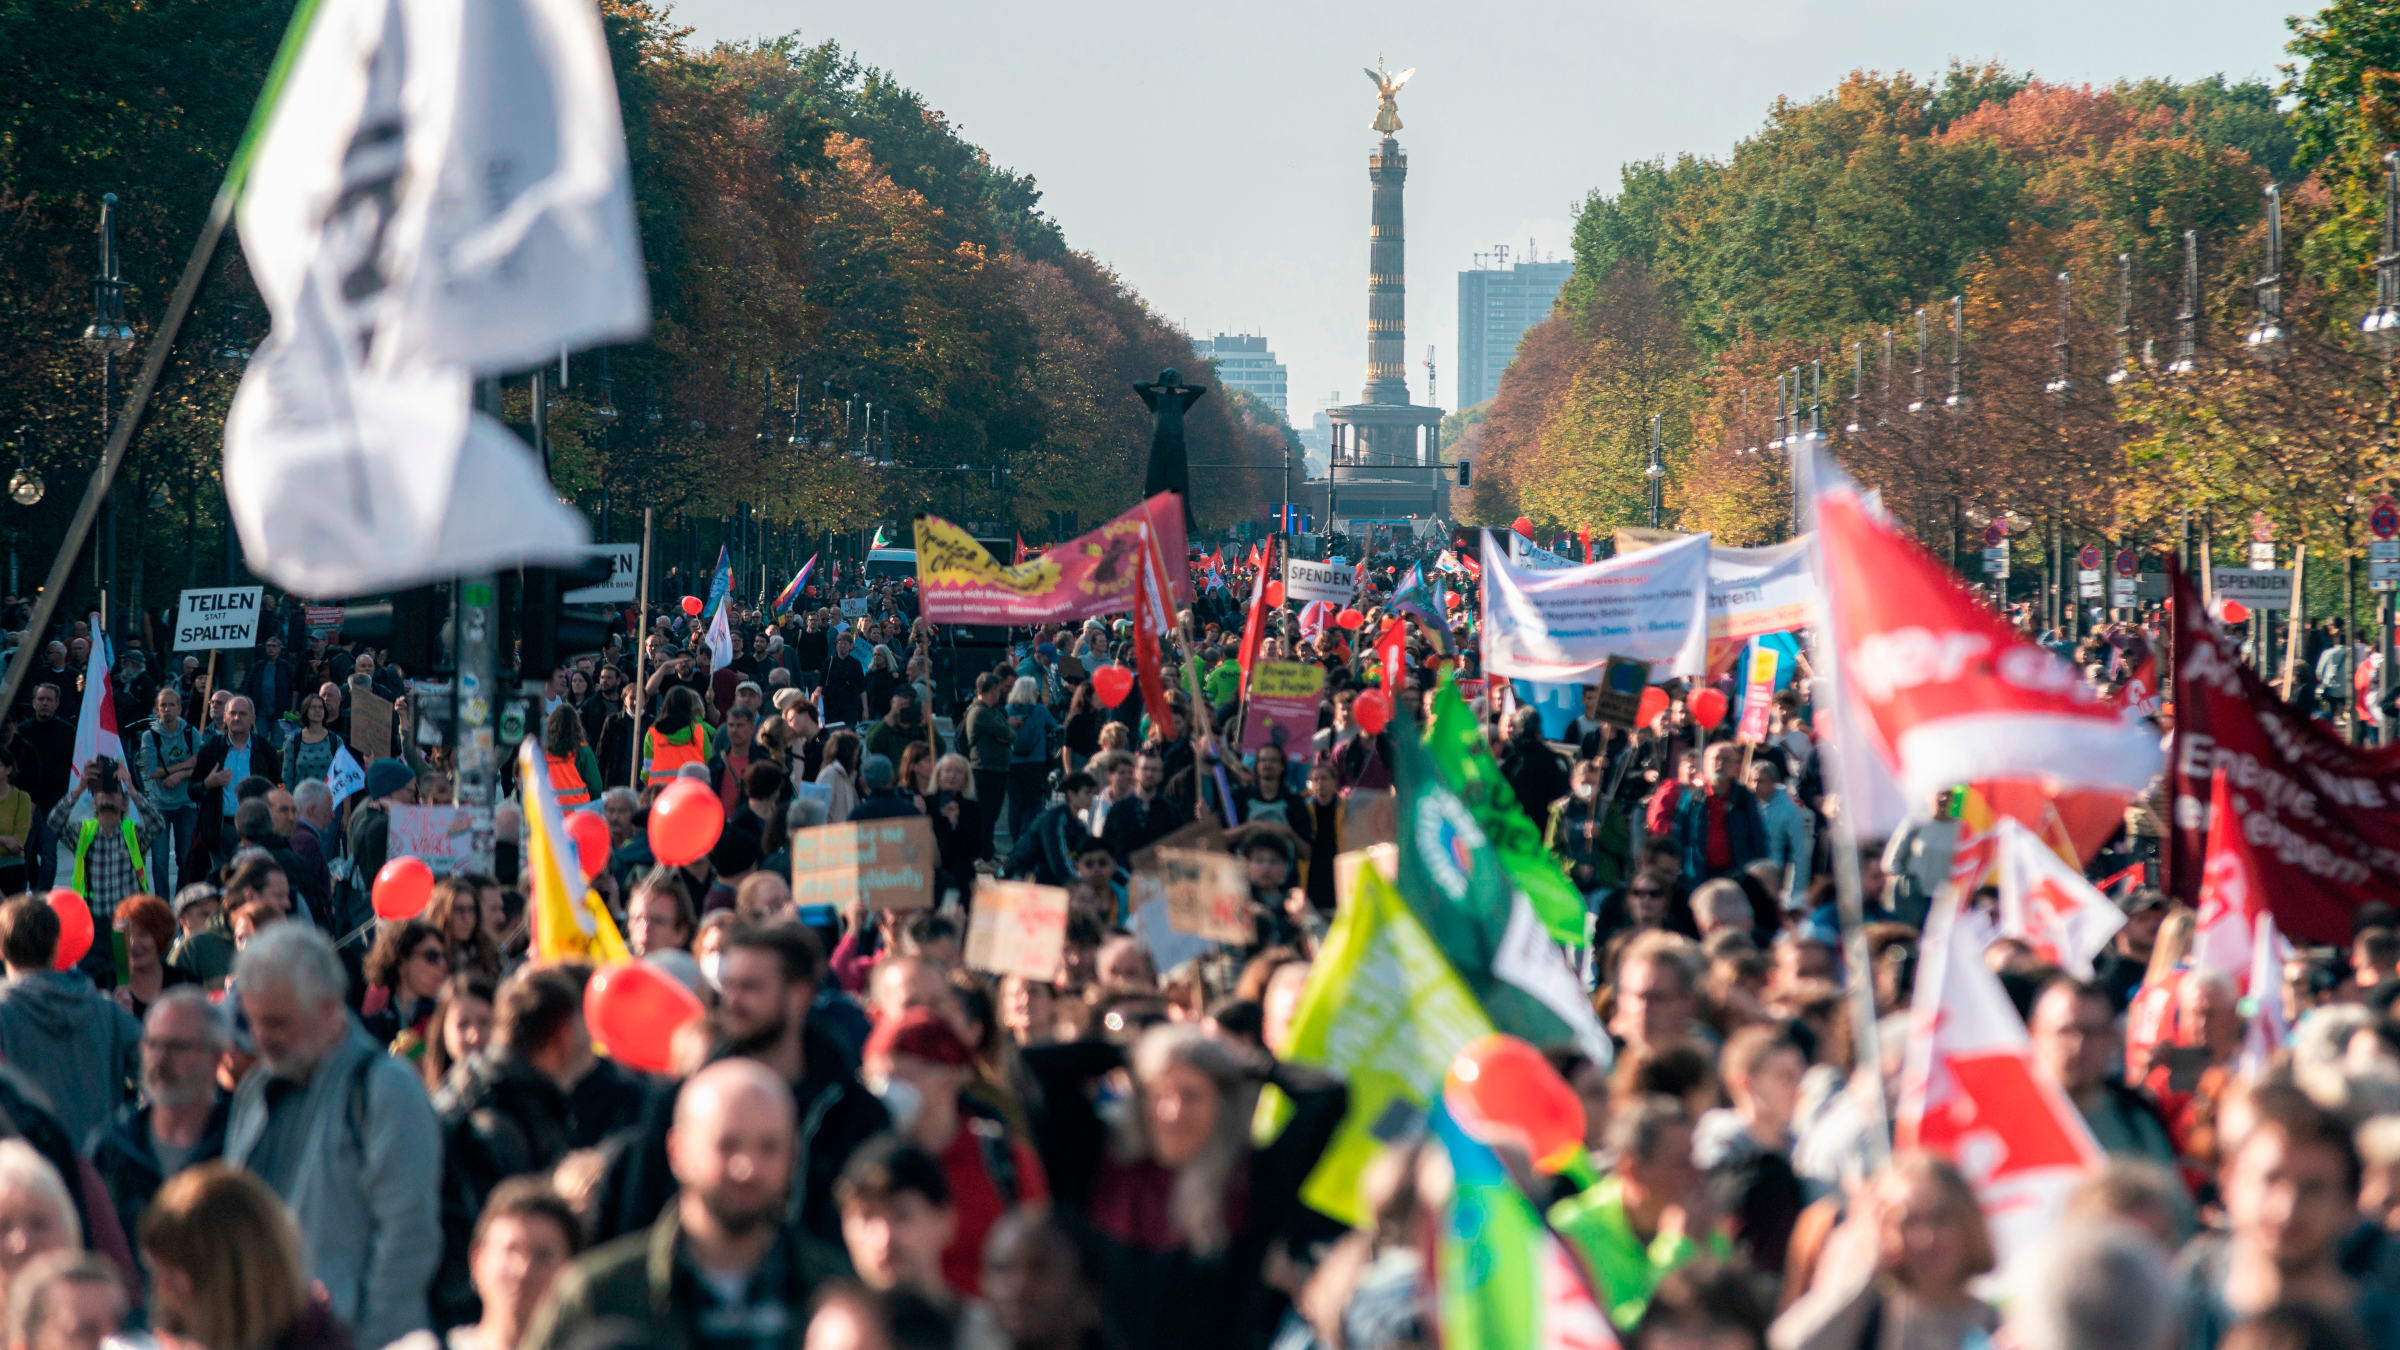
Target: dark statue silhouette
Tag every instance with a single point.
(1170, 469)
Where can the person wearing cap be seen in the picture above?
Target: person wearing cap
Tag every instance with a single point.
(202, 948)
(390, 782)
(879, 795)
(920, 1066)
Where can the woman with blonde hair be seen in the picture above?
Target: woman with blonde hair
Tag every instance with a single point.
(37, 1216)
(1897, 1274)
(225, 1270)
(962, 826)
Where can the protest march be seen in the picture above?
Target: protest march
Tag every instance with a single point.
(484, 922)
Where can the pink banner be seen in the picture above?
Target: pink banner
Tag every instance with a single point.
(959, 581)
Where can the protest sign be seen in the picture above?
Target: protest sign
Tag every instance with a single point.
(437, 834)
(854, 606)
(1619, 687)
(1306, 582)
(1563, 626)
(1208, 894)
(1018, 928)
(217, 619)
(1760, 590)
(1532, 557)
(1146, 897)
(323, 620)
(885, 864)
(1284, 697)
(959, 581)
(624, 565)
(2321, 817)
(370, 724)
(2258, 589)
(1758, 695)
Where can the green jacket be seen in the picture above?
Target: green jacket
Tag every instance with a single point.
(1224, 684)
(638, 1280)
(1628, 1269)
(990, 738)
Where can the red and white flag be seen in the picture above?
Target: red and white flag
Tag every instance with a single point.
(2231, 901)
(1947, 691)
(1153, 619)
(1974, 1093)
(2049, 904)
(2140, 690)
(1254, 629)
(96, 727)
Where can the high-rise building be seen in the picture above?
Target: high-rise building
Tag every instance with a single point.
(1497, 302)
(1245, 363)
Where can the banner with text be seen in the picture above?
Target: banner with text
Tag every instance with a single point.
(1284, 696)
(959, 581)
(1305, 582)
(217, 619)
(886, 864)
(1564, 625)
(1760, 590)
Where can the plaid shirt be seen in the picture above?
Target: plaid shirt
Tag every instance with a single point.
(108, 871)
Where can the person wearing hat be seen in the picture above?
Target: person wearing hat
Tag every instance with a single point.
(879, 795)
(390, 782)
(920, 1066)
(202, 948)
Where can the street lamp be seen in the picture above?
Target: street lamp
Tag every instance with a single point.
(2061, 384)
(2266, 340)
(1919, 404)
(110, 336)
(1657, 474)
(2187, 319)
(2382, 324)
(2124, 370)
(1858, 387)
(1777, 442)
(25, 486)
(1958, 352)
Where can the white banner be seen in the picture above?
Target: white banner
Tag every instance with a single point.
(624, 563)
(2256, 589)
(1305, 583)
(1533, 557)
(1760, 590)
(1564, 625)
(221, 618)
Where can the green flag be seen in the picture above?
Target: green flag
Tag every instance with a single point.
(1467, 768)
(1451, 877)
(1385, 1012)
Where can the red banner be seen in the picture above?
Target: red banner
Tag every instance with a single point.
(2321, 817)
(959, 581)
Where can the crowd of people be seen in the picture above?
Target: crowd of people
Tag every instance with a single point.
(255, 1115)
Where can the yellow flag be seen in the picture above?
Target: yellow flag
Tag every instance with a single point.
(569, 922)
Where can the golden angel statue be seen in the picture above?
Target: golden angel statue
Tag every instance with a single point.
(1387, 112)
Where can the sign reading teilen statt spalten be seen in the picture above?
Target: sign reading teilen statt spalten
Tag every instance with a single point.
(218, 618)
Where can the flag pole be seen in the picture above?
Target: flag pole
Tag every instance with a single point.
(1867, 1055)
(641, 650)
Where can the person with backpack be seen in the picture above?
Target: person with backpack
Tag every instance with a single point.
(367, 841)
(1046, 850)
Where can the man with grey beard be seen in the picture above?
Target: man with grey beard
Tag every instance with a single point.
(180, 1119)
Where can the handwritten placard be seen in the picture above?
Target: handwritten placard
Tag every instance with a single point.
(370, 724)
(1018, 929)
(437, 834)
(887, 864)
(1208, 895)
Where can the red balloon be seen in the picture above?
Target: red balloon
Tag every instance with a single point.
(685, 822)
(1372, 711)
(1708, 708)
(1112, 684)
(634, 1011)
(2236, 612)
(1274, 595)
(691, 605)
(1451, 599)
(1654, 702)
(1505, 1091)
(589, 830)
(74, 927)
(1350, 618)
(1523, 527)
(402, 889)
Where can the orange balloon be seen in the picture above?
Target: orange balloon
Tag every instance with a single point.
(74, 927)
(1505, 1091)
(402, 889)
(1654, 702)
(1708, 708)
(1372, 711)
(589, 830)
(685, 822)
(634, 1011)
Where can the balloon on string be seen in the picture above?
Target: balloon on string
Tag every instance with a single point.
(74, 927)
(1505, 1091)
(685, 822)
(634, 1011)
(1654, 702)
(1350, 618)
(691, 605)
(1274, 595)
(2236, 612)
(1112, 684)
(1524, 527)
(1708, 708)
(1451, 599)
(589, 831)
(402, 889)
(1372, 711)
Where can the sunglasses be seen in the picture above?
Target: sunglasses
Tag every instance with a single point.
(433, 956)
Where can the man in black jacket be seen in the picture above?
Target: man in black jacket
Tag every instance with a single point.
(1056, 837)
(229, 755)
(845, 684)
(1537, 773)
(1147, 816)
(767, 980)
(181, 1114)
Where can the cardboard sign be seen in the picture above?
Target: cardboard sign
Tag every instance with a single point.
(1758, 696)
(1018, 929)
(1146, 895)
(1284, 698)
(370, 724)
(222, 618)
(887, 864)
(1620, 698)
(437, 834)
(1305, 582)
(1208, 895)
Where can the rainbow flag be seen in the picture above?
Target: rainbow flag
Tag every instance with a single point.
(784, 598)
(569, 922)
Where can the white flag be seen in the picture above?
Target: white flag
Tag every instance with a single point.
(96, 726)
(720, 640)
(2049, 903)
(344, 776)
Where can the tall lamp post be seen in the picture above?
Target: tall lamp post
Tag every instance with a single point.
(1657, 474)
(2266, 340)
(2382, 329)
(109, 335)
(2187, 319)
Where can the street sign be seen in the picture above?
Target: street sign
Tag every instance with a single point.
(2269, 588)
(2262, 556)
(2087, 581)
(2383, 550)
(1994, 535)
(2127, 564)
(1995, 561)
(2379, 569)
(2121, 593)
(2088, 557)
(2384, 520)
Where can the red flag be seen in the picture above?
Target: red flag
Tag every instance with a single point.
(1584, 533)
(2140, 690)
(1153, 619)
(1254, 629)
(1020, 558)
(1391, 646)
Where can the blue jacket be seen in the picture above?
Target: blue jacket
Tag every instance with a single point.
(1744, 830)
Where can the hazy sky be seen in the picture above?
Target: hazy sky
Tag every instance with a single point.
(1215, 154)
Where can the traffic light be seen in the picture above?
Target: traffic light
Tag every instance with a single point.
(550, 627)
(1465, 472)
(410, 626)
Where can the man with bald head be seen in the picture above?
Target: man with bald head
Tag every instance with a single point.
(720, 1267)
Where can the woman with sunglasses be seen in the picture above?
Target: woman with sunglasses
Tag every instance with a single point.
(404, 970)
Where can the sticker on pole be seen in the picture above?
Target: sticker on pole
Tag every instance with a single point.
(217, 619)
